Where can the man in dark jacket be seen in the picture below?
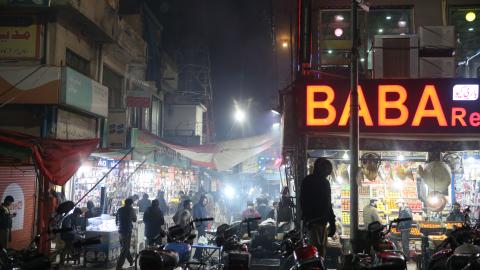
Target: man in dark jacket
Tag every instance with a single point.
(154, 220)
(316, 204)
(200, 211)
(404, 227)
(144, 203)
(162, 203)
(5, 221)
(124, 219)
(456, 215)
(70, 225)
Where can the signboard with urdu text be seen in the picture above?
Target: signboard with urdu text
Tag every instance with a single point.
(20, 42)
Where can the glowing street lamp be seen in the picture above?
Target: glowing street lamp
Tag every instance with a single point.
(239, 115)
(470, 16)
(284, 44)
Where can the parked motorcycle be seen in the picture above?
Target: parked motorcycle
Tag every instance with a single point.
(458, 249)
(237, 256)
(175, 253)
(383, 253)
(298, 254)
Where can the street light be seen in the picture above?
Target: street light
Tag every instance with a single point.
(239, 115)
(284, 44)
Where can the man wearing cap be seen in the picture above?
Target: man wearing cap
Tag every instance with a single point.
(370, 213)
(404, 226)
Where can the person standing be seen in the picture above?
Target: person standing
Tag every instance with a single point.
(370, 213)
(274, 212)
(144, 203)
(404, 226)
(154, 221)
(186, 217)
(285, 207)
(70, 227)
(250, 212)
(162, 203)
(200, 211)
(124, 219)
(316, 204)
(263, 209)
(6, 221)
(91, 213)
(456, 215)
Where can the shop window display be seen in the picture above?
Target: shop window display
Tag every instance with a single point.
(390, 176)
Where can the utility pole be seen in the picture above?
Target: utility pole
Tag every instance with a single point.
(354, 130)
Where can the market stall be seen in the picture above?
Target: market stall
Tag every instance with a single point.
(419, 142)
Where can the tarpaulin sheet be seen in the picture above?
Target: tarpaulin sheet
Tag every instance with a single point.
(220, 156)
(57, 160)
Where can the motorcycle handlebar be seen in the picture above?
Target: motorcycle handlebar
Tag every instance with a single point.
(203, 219)
(401, 220)
(251, 219)
(55, 231)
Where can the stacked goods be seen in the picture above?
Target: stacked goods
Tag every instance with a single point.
(345, 193)
(414, 231)
(345, 218)
(410, 192)
(415, 205)
(364, 191)
(378, 192)
(394, 194)
(453, 225)
(345, 204)
(430, 225)
(391, 204)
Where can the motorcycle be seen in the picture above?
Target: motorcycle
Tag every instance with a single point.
(383, 253)
(237, 256)
(175, 253)
(458, 249)
(298, 254)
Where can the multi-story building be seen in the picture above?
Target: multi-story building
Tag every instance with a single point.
(74, 69)
(423, 51)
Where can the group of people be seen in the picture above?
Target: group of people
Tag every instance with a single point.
(154, 219)
(280, 211)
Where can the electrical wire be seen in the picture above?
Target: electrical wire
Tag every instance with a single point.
(21, 80)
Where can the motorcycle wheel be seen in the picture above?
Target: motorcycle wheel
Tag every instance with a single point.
(440, 264)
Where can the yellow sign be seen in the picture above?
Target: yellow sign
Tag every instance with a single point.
(19, 41)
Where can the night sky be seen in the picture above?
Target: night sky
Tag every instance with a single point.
(238, 35)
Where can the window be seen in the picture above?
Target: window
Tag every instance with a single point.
(77, 63)
(467, 26)
(333, 37)
(156, 116)
(114, 82)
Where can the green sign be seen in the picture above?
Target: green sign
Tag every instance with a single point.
(84, 93)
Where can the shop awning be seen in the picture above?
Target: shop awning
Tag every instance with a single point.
(221, 156)
(58, 160)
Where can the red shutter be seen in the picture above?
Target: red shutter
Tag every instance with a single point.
(20, 182)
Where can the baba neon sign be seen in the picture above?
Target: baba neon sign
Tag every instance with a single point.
(423, 106)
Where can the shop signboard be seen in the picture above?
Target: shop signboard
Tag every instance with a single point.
(415, 106)
(20, 42)
(72, 126)
(81, 92)
(117, 130)
(139, 94)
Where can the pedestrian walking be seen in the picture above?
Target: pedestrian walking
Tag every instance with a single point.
(124, 219)
(404, 226)
(154, 222)
(6, 221)
(144, 203)
(316, 204)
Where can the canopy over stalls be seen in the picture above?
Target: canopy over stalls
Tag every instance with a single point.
(57, 160)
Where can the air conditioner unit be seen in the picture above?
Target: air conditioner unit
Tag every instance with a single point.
(437, 37)
(437, 67)
(395, 56)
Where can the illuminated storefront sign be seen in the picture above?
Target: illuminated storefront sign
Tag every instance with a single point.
(395, 106)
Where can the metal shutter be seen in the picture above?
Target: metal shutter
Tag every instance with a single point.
(20, 182)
